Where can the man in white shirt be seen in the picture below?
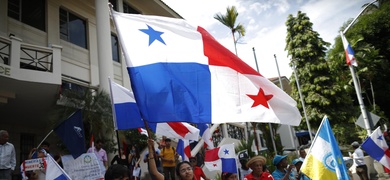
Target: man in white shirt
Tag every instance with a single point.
(358, 161)
(302, 154)
(7, 156)
(243, 170)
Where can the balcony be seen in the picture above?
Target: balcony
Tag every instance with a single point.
(30, 79)
(27, 62)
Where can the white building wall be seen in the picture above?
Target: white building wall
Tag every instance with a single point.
(287, 137)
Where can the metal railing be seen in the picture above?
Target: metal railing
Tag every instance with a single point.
(5, 50)
(36, 58)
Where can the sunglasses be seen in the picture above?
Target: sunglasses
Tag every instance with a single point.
(192, 160)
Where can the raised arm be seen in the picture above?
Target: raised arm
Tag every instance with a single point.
(152, 162)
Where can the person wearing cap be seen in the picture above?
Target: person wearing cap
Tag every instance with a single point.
(257, 163)
(283, 171)
(358, 161)
(244, 169)
(198, 171)
(298, 163)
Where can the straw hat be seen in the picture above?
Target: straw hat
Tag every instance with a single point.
(255, 159)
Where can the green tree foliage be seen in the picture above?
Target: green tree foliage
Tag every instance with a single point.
(322, 94)
(374, 67)
(370, 39)
(265, 128)
(229, 20)
(96, 110)
(246, 144)
(134, 138)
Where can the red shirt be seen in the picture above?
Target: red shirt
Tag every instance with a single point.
(198, 172)
(264, 176)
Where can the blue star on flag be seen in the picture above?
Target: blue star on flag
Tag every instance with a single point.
(153, 35)
(226, 151)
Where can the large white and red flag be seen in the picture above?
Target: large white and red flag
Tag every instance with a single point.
(180, 73)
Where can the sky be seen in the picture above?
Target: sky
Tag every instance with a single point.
(264, 21)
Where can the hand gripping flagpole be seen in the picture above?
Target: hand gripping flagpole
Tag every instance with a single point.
(149, 135)
(354, 78)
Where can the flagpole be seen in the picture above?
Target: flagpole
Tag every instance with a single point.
(117, 139)
(269, 124)
(355, 81)
(360, 13)
(112, 105)
(281, 87)
(43, 140)
(114, 117)
(302, 101)
(360, 99)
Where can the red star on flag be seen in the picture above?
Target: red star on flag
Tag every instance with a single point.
(260, 98)
(215, 165)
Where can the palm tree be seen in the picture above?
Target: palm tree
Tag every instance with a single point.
(229, 20)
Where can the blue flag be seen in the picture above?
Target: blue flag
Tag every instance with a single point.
(71, 132)
(324, 159)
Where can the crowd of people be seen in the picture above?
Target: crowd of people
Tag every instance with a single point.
(251, 169)
(163, 163)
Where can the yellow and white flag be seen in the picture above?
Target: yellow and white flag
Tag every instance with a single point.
(324, 159)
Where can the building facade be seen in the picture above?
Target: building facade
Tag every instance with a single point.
(47, 46)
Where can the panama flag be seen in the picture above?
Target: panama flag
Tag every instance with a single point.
(127, 116)
(125, 111)
(349, 53)
(376, 147)
(183, 149)
(324, 159)
(204, 130)
(54, 171)
(222, 158)
(181, 73)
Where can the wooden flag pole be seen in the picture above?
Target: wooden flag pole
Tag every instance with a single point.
(149, 135)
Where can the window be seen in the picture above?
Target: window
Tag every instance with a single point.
(73, 29)
(72, 86)
(26, 144)
(32, 13)
(128, 9)
(115, 48)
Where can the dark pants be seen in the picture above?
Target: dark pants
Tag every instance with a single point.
(5, 174)
(169, 171)
(362, 172)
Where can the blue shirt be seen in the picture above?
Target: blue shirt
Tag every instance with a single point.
(304, 177)
(7, 156)
(279, 175)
